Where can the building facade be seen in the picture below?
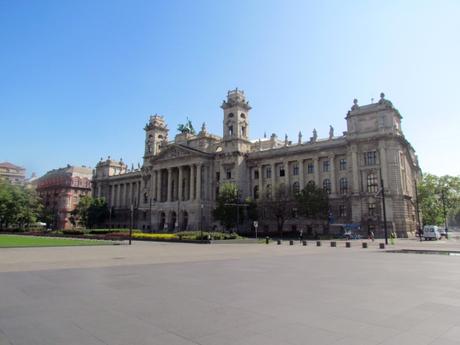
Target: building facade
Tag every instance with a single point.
(176, 187)
(61, 190)
(12, 173)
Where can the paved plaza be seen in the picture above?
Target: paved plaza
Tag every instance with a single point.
(222, 294)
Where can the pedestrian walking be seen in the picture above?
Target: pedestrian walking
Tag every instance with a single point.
(371, 236)
(392, 237)
(301, 236)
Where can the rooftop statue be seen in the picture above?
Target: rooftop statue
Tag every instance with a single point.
(186, 128)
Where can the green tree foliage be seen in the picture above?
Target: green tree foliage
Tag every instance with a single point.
(313, 202)
(90, 212)
(19, 206)
(436, 194)
(224, 212)
(278, 205)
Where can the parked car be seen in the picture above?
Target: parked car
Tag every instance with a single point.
(431, 232)
(350, 235)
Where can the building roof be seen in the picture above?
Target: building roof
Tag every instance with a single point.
(10, 166)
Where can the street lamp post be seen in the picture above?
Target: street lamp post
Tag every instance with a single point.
(201, 221)
(419, 229)
(443, 200)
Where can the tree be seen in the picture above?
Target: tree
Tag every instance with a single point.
(439, 197)
(226, 209)
(90, 212)
(19, 206)
(313, 202)
(278, 205)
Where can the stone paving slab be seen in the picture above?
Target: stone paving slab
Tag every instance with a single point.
(160, 293)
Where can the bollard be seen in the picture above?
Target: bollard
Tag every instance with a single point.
(348, 244)
(291, 242)
(267, 240)
(382, 245)
(278, 242)
(318, 243)
(304, 243)
(364, 244)
(333, 244)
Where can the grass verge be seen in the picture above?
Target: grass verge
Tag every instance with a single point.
(16, 241)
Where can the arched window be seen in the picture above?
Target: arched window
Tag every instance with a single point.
(343, 185)
(243, 115)
(230, 130)
(311, 183)
(256, 192)
(372, 183)
(327, 185)
(295, 188)
(230, 115)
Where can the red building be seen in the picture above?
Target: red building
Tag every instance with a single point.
(61, 190)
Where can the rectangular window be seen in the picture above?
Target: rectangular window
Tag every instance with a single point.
(326, 166)
(370, 158)
(295, 169)
(371, 209)
(218, 176)
(256, 174)
(343, 164)
(310, 168)
(282, 172)
(268, 172)
(342, 211)
(229, 174)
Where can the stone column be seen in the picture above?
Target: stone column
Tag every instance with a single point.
(316, 170)
(354, 167)
(332, 167)
(112, 195)
(383, 164)
(159, 186)
(179, 183)
(168, 195)
(192, 182)
(301, 177)
(261, 188)
(153, 186)
(287, 177)
(273, 182)
(198, 181)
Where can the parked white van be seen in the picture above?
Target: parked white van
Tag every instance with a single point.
(431, 232)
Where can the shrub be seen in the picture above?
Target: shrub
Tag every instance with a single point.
(73, 232)
(142, 235)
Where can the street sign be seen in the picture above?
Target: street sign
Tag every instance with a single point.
(256, 223)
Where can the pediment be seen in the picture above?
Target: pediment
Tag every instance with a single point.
(178, 152)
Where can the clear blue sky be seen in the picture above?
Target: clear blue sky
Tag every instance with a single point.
(78, 79)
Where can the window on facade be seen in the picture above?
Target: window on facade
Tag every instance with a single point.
(217, 192)
(343, 164)
(268, 172)
(295, 213)
(310, 168)
(230, 130)
(268, 191)
(230, 115)
(295, 188)
(256, 174)
(282, 172)
(327, 185)
(218, 175)
(342, 211)
(326, 166)
(295, 169)
(311, 183)
(371, 209)
(370, 158)
(372, 183)
(229, 174)
(243, 116)
(243, 131)
(343, 185)
(145, 198)
(256, 192)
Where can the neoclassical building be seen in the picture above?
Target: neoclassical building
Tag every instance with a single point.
(176, 187)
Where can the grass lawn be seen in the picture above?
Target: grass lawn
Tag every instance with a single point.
(15, 241)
